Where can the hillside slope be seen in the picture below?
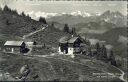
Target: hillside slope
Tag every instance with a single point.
(18, 25)
(49, 36)
(12, 23)
(50, 69)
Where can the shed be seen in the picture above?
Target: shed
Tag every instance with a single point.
(14, 46)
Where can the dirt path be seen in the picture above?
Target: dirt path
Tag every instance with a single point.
(111, 74)
(30, 34)
(122, 75)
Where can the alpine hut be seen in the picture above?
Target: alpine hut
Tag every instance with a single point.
(14, 46)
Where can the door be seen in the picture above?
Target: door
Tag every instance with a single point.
(12, 50)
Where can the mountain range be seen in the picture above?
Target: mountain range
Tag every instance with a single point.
(35, 15)
(114, 17)
(85, 22)
(13, 24)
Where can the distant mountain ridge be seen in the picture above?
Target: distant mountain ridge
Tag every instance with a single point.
(35, 15)
(114, 17)
(83, 17)
(93, 23)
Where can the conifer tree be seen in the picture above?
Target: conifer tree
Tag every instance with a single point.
(97, 46)
(104, 51)
(42, 19)
(112, 59)
(22, 14)
(6, 8)
(111, 55)
(73, 31)
(66, 28)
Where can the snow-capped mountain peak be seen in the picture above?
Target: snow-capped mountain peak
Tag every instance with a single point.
(98, 13)
(79, 13)
(36, 15)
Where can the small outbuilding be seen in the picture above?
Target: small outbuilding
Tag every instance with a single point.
(14, 46)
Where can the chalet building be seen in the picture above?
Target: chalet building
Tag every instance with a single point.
(77, 45)
(102, 43)
(29, 44)
(14, 46)
(70, 45)
(93, 42)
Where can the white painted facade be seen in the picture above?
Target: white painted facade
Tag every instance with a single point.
(72, 46)
(70, 50)
(59, 50)
(29, 44)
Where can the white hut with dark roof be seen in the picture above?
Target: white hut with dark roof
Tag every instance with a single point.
(70, 45)
(14, 46)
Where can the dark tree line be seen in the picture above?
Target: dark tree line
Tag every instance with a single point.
(101, 52)
(9, 10)
(6, 8)
(112, 59)
(18, 24)
(43, 20)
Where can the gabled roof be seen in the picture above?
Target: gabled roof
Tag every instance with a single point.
(13, 43)
(64, 39)
(29, 43)
(69, 39)
(109, 47)
(72, 40)
(93, 41)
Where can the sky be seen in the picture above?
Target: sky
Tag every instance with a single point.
(66, 6)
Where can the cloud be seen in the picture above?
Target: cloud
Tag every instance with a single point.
(36, 15)
(84, 14)
(112, 4)
(33, 4)
(44, 14)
